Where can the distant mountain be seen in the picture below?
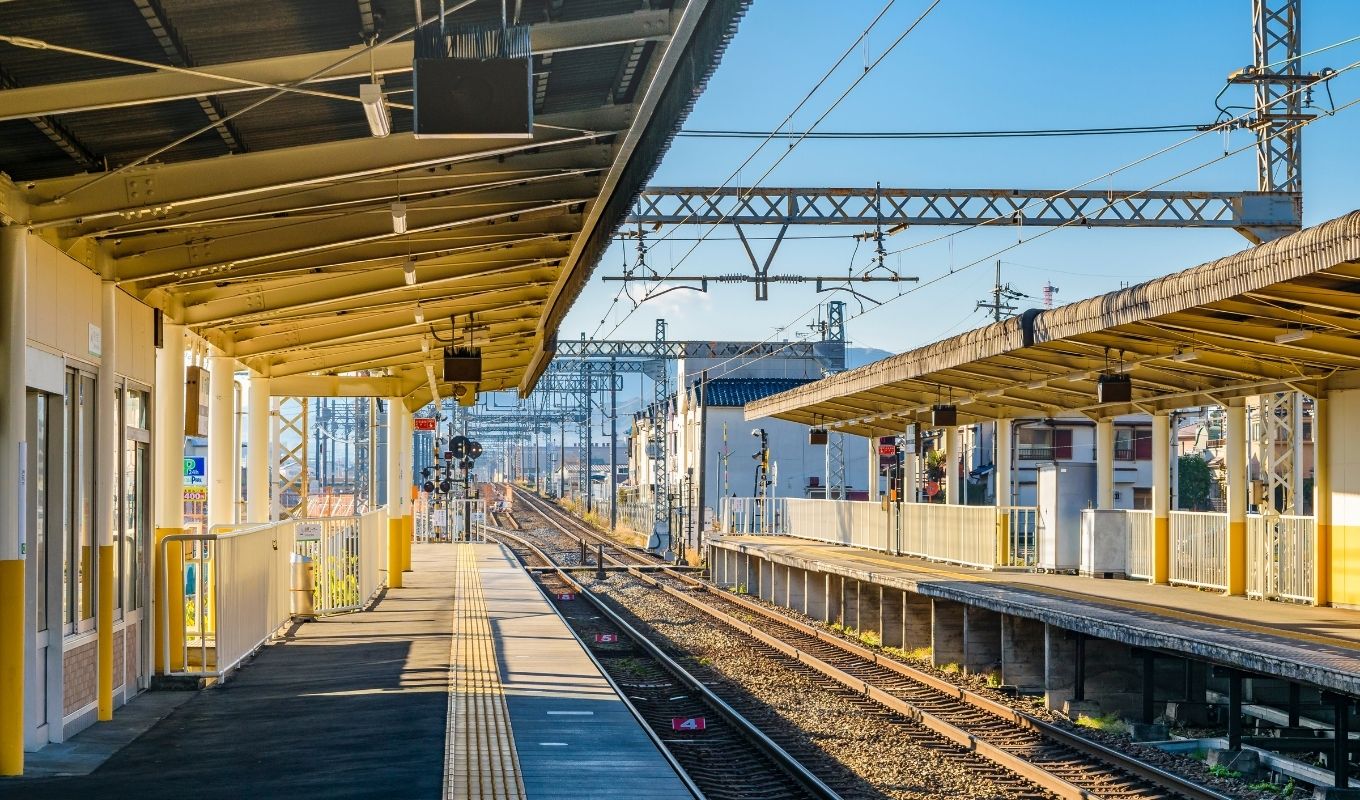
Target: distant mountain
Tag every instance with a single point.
(859, 356)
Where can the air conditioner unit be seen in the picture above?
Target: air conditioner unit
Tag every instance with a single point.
(817, 436)
(944, 416)
(462, 364)
(1114, 389)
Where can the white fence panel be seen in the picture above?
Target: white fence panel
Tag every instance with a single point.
(951, 533)
(1139, 556)
(858, 523)
(1199, 549)
(1280, 557)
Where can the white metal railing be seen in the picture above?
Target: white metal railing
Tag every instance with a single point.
(451, 520)
(951, 533)
(1199, 549)
(637, 516)
(858, 523)
(237, 600)
(349, 556)
(1280, 557)
(1022, 546)
(1138, 563)
(750, 515)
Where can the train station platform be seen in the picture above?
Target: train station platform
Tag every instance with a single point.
(1312, 645)
(463, 684)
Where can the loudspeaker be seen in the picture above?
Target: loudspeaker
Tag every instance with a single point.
(944, 416)
(1114, 389)
(464, 97)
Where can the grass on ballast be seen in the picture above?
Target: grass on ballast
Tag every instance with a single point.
(1107, 723)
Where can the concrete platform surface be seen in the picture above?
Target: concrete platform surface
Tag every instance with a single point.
(574, 736)
(357, 706)
(1320, 646)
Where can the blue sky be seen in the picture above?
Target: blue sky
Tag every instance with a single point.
(979, 64)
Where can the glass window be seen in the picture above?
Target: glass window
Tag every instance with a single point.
(1123, 444)
(37, 501)
(133, 520)
(70, 458)
(84, 528)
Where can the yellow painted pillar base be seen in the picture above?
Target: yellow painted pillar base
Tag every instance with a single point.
(1003, 537)
(394, 554)
(408, 536)
(1161, 550)
(104, 634)
(170, 597)
(12, 652)
(1322, 565)
(1237, 559)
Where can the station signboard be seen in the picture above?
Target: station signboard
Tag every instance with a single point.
(425, 423)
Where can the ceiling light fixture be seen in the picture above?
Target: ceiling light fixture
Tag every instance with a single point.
(408, 272)
(399, 217)
(1292, 336)
(1189, 355)
(420, 315)
(375, 109)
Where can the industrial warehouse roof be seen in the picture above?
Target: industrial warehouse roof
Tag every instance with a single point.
(1283, 315)
(271, 233)
(740, 391)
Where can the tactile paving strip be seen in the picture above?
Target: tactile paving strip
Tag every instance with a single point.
(480, 759)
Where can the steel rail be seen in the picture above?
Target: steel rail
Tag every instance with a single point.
(781, 757)
(1154, 775)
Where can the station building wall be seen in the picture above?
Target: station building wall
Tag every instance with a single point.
(64, 345)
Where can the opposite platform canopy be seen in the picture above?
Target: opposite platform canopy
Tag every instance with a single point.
(1284, 315)
(272, 233)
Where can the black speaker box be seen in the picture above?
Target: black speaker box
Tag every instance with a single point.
(462, 365)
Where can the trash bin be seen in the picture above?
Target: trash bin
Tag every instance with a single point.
(303, 587)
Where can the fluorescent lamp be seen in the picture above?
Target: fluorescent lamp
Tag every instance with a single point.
(1037, 385)
(375, 109)
(1292, 336)
(408, 271)
(1189, 355)
(399, 217)
(420, 315)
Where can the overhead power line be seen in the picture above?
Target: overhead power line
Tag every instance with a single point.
(698, 133)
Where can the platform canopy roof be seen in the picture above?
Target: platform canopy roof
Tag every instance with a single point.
(268, 226)
(1280, 316)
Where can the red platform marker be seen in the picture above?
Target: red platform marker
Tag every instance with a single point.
(606, 638)
(688, 724)
(566, 596)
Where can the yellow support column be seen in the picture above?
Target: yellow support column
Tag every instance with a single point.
(1235, 442)
(13, 641)
(170, 596)
(104, 626)
(1322, 503)
(1105, 463)
(394, 553)
(1161, 498)
(106, 446)
(408, 535)
(1002, 470)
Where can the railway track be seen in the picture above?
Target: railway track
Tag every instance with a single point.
(1060, 762)
(726, 755)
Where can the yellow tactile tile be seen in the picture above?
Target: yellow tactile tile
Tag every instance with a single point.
(480, 760)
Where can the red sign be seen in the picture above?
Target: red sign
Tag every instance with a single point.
(688, 723)
(887, 450)
(566, 596)
(606, 638)
(426, 423)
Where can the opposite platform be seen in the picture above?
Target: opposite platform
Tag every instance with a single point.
(1320, 646)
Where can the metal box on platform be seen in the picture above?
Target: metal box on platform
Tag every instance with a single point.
(1104, 543)
(1062, 491)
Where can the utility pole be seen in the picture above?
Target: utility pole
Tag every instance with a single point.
(1002, 294)
(613, 445)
